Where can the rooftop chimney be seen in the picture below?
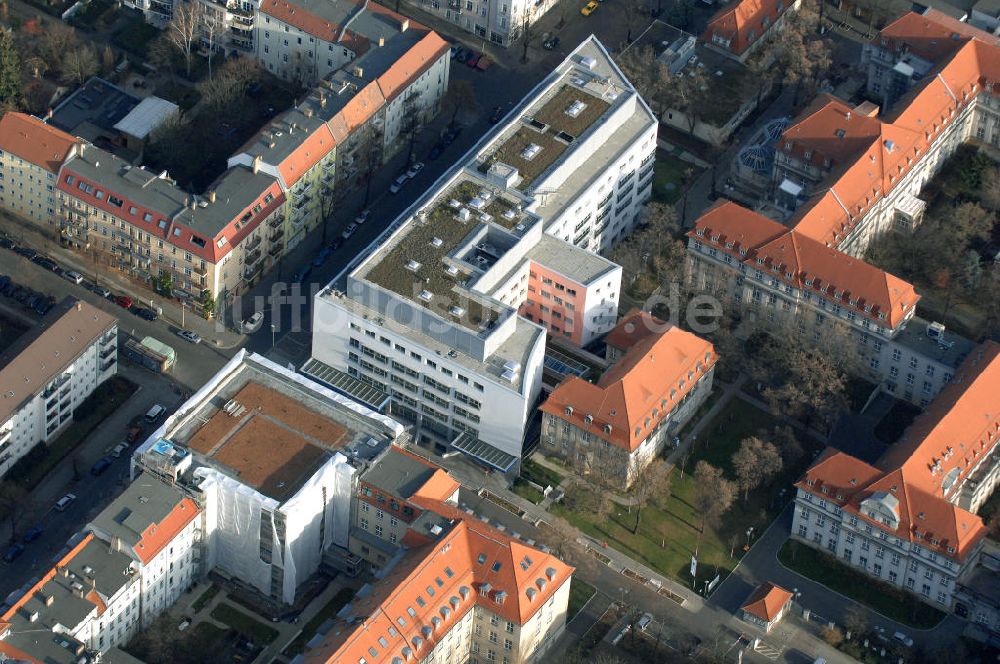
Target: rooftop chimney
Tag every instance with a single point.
(322, 99)
(381, 41)
(404, 25)
(256, 164)
(211, 196)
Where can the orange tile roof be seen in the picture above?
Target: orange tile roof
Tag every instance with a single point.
(48, 576)
(931, 35)
(412, 64)
(157, 536)
(804, 263)
(308, 153)
(440, 486)
(959, 430)
(925, 519)
(834, 130)
(743, 23)
(471, 564)
(767, 601)
(32, 140)
(16, 654)
(635, 326)
(642, 388)
(295, 15)
(365, 103)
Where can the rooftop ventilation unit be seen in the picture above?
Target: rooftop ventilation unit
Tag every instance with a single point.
(436, 242)
(574, 109)
(464, 214)
(512, 365)
(412, 265)
(477, 203)
(451, 270)
(588, 62)
(426, 295)
(453, 203)
(456, 311)
(531, 151)
(508, 376)
(509, 214)
(485, 218)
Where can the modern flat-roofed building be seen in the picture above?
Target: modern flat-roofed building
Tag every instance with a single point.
(458, 590)
(49, 371)
(31, 153)
(616, 427)
(909, 518)
(264, 453)
(447, 316)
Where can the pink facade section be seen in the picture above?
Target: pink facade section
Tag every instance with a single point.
(555, 302)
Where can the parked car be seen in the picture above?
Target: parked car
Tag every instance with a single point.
(13, 552)
(322, 256)
(63, 503)
(484, 62)
(496, 115)
(100, 290)
(7, 243)
(100, 467)
(119, 449)
(349, 231)
(43, 304)
(75, 277)
(302, 274)
(188, 335)
(455, 50)
(45, 262)
(133, 434)
(398, 183)
(589, 8)
(463, 55)
(146, 313)
(155, 412)
(252, 324)
(364, 214)
(26, 252)
(31, 534)
(414, 169)
(644, 621)
(551, 44)
(435, 151)
(473, 60)
(337, 243)
(904, 639)
(124, 301)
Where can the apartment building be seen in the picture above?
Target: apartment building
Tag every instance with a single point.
(906, 51)
(160, 529)
(618, 425)
(31, 153)
(144, 224)
(430, 316)
(502, 23)
(738, 29)
(786, 280)
(266, 454)
(462, 591)
(155, 12)
(227, 26)
(909, 518)
(133, 561)
(384, 504)
(49, 371)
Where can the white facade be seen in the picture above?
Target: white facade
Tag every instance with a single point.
(50, 409)
(499, 22)
(293, 54)
(879, 552)
(28, 189)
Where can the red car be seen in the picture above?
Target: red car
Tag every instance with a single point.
(124, 301)
(473, 59)
(484, 63)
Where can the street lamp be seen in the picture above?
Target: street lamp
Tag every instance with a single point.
(749, 534)
(274, 329)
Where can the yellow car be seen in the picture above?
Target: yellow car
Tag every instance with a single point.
(589, 8)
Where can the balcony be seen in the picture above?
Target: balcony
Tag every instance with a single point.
(108, 352)
(200, 270)
(252, 258)
(275, 221)
(276, 235)
(110, 363)
(251, 272)
(252, 243)
(242, 32)
(276, 249)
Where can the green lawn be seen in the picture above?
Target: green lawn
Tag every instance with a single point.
(89, 415)
(205, 598)
(339, 601)
(700, 413)
(161, 642)
(670, 178)
(721, 438)
(527, 491)
(249, 627)
(580, 593)
(889, 601)
(539, 474)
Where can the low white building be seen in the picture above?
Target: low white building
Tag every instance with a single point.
(49, 371)
(446, 314)
(263, 451)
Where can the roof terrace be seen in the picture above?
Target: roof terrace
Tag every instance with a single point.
(435, 260)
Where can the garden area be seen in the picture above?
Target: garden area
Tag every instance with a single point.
(669, 530)
(105, 400)
(246, 626)
(580, 593)
(671, 176)
(888, 600)
(162, 642)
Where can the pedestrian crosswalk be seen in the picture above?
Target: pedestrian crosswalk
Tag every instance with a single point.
(762, 648)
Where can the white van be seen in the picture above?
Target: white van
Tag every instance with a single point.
(155, 413)
(63, 503)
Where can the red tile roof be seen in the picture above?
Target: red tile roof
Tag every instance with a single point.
(959, 430)
(439, 486)
(157, 536)
(471, 564)
(767, 601)
(743, 23)
(804, 263)
(637, 392)
(931, 35)
(365, 103)
(307, 154)
(635, 326)
(296, 16)
(34, 141)
(412, 64)
(48, 576)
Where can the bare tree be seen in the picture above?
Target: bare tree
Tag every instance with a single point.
(687, 94)
(756, 462)
(13, 505)
(461, 96)
(527, 35)
(713, 493)
(182, 32)
(651, 483)
(231, 83)
(55, 41)
(79, 64)
(990, 189)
